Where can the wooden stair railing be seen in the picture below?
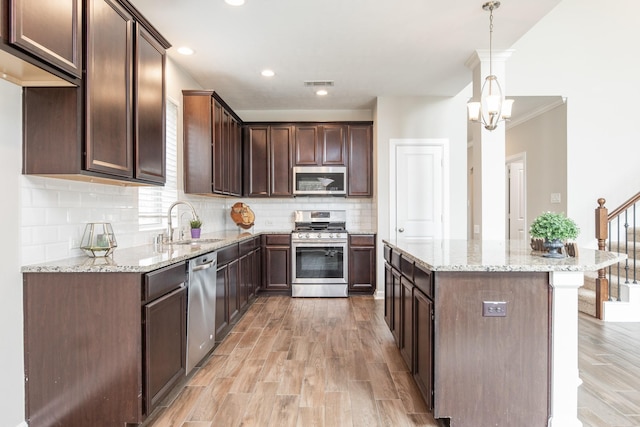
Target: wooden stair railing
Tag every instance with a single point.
(604, 222)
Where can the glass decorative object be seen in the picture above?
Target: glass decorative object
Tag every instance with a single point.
(98, 239)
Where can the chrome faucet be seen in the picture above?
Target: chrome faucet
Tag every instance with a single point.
(179, 202)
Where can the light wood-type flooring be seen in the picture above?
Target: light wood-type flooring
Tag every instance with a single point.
(333, 362)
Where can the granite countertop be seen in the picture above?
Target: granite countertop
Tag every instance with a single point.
(510, 255)
(141, 259)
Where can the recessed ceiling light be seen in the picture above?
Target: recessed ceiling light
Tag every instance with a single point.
(184, 50)
(268, 73)
(234, 2)
(321, 92)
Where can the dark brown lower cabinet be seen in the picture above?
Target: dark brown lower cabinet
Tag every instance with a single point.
(409, 314)
(396, 302)
(406, 323)
(423, 345)
(362, 264)
(227, 293)
(101, 349)
(165, 326)
(276, 254)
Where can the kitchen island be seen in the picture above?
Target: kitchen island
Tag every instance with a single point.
(489, 328)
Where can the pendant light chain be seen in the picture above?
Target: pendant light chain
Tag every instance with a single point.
(491, 39)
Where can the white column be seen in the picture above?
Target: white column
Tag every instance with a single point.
(565, 377)
(489, 197)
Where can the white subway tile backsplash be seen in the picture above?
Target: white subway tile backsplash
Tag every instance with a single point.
(56, 211)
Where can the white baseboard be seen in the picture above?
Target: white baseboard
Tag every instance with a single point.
(621, 311)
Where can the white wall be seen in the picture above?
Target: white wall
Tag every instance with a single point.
(584, 51)
(421, 117)
(543, 139)
(11, 356)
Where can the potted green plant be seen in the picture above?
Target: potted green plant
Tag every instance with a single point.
(554, 228)
(195, 224)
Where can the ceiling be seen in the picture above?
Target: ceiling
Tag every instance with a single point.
(368, 48)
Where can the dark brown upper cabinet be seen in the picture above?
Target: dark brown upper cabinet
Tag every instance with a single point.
(49, 30)
(320, 145)
(113, 127)
(333, 145)
(41, 42)
(268, 160)
(212, 145)
(109, 89)
(360, 165)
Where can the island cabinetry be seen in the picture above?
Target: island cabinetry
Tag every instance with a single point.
(409, 313)
(227, 292)
(102, 349)
(50, 31)
(362, 264)
(320, 144)
(112, 126)
(276, 252)
(360, 160)
(164, 332)
(268, 160)
(212, 145)
(510, 352)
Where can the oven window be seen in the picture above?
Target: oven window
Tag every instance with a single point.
(320, 262)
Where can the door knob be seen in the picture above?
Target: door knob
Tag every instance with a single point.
(401, 230)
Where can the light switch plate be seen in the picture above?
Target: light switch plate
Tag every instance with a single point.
(555, 198)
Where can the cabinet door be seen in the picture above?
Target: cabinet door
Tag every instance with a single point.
(233, 290)
(388, 296)
(150, 108)
(220, 130)
(256, 180)
(406, 322)
(359, 171)
(50, 30)
(257, 272)
(334, 145)
(235, 159)
(165, 332)
(222, 313)
(423, 345)
(280, 143)
(307, 150)
(276, 268)
(198, 114)
(396, 292)
(109, 146)
(362, 274)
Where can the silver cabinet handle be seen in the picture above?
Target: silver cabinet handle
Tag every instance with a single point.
(401, 230)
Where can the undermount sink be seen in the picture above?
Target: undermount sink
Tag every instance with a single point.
(195, 241)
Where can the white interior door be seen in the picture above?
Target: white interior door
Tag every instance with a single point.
(419, 190)
(517, 200)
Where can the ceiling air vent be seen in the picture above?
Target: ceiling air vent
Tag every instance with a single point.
(318, 83)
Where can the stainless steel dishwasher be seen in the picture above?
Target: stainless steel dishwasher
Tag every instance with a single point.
(201, 308)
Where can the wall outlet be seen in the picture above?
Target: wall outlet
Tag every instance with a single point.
(494, 308)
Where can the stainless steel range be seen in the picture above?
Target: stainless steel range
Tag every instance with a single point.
(319, 252)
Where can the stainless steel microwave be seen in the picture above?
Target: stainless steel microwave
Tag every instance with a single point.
(319, 181)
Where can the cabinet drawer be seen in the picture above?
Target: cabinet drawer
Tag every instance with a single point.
(395, 260)
(247, 246)
(277, 239)
(164, 280)
(227, 254)
(387, 254)
(362, 240)
(423, 280)
(406, 267)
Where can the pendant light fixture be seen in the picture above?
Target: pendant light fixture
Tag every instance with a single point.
(493, 107)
